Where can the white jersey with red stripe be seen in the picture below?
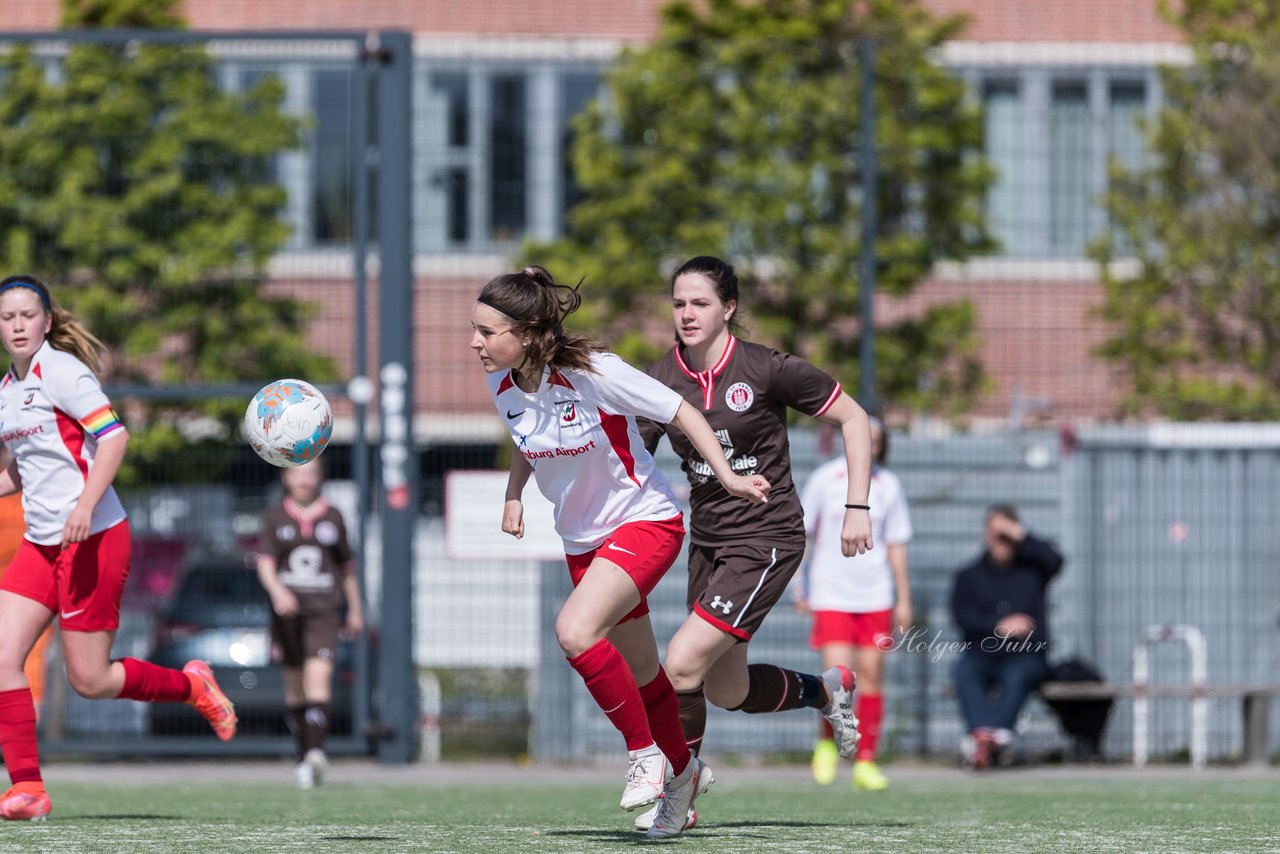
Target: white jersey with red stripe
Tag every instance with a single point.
(863, 583)
(578, 431)
(51, 421)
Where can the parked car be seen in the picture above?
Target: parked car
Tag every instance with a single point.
(219, 613)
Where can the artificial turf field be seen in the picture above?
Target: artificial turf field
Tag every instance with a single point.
(493, 808)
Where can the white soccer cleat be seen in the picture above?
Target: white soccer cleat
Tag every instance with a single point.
(645, 778)
(838, 711)
(644, 821)
(305, 776)
(677, 801)
(318, 763)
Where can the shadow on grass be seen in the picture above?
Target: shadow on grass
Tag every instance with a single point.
(359, 838)
(124, 816)
(731, 825)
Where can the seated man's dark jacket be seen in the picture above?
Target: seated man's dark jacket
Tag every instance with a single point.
(985, 593)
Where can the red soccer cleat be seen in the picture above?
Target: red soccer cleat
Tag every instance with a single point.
(25, 806)
(209, 700)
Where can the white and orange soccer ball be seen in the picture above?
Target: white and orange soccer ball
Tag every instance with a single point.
(288, 422)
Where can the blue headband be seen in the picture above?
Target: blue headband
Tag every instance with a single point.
(31, 286)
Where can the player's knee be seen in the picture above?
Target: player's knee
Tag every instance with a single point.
(684, 671)
(90, 683)
(575, 639)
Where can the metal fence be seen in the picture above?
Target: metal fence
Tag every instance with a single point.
(193, 490)
(1157, 527)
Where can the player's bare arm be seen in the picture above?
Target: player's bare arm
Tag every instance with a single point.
(106, 463)
(10, 480)
(513, 506)
(691, 423)
(283, 602)
(855, 536)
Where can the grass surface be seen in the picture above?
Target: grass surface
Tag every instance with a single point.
(744, 812)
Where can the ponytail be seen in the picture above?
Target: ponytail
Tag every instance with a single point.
(70, 336)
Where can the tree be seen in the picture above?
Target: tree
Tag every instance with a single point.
(736, 133)
(143, 193)
(1195, 319)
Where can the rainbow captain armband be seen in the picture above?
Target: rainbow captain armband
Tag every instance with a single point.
(102, 422)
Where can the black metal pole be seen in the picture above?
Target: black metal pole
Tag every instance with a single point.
(361, 388)
(397, 685)
(870, 228)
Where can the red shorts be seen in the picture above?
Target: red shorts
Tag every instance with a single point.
(81, 584)
(872, 629)
(644, 551)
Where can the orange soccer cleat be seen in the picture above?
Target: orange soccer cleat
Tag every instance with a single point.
(18, 805)
(209, 700)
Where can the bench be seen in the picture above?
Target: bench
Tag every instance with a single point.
(1256, 701)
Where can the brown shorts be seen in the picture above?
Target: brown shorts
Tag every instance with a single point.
(735, 587)
(303, 637)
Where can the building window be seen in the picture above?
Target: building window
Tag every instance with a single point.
(1127, 107)
(452, 87)
(508, 152)
(1070, 168)
(1049, 137)
(1006, 143)
(576, 91)
(331, 157)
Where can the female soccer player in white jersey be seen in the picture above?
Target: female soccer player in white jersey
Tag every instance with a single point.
(740, 559)
(63, 446)
(856, 601)
(571, 409)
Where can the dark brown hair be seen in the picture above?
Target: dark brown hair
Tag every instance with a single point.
(66, 333)
(1008, 511)
(723, 280)
(537, 305)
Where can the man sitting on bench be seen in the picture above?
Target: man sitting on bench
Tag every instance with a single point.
(998, 602)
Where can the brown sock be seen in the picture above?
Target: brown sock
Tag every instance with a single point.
(693, 717)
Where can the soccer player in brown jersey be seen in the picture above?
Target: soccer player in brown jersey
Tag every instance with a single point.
(742, 556)
(306, 565)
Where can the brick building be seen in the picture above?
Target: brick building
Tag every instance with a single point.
(496, 82)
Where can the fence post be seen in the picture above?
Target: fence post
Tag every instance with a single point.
(398, 502)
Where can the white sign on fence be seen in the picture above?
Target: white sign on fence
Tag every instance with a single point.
(473, 520)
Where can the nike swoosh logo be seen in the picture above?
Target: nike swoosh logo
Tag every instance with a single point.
(514, 415)
(617, 548)
(68, 615)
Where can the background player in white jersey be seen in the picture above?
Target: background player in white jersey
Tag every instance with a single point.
(571, 409)
(856, 601)
(63, 445)
(306, 565)
(741, 557)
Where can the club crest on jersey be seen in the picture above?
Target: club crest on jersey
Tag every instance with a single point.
(327, 533)
(569, 413)
(739, 397)
(31, 395)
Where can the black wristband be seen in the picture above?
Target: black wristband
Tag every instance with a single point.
(857, 507)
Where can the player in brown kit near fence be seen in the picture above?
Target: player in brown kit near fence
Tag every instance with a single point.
(306, 565)
(742, 556)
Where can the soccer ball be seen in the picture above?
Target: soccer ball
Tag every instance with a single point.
(288, 422)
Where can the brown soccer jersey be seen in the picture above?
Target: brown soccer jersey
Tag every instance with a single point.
(744, 397)
(310, 557)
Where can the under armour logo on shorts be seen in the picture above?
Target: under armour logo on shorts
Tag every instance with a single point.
(725, 606)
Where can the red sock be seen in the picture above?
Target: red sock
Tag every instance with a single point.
(18, 736)
(825, 731)
(614, 689)
(152, 683)
(663, 710)
(870, 711)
